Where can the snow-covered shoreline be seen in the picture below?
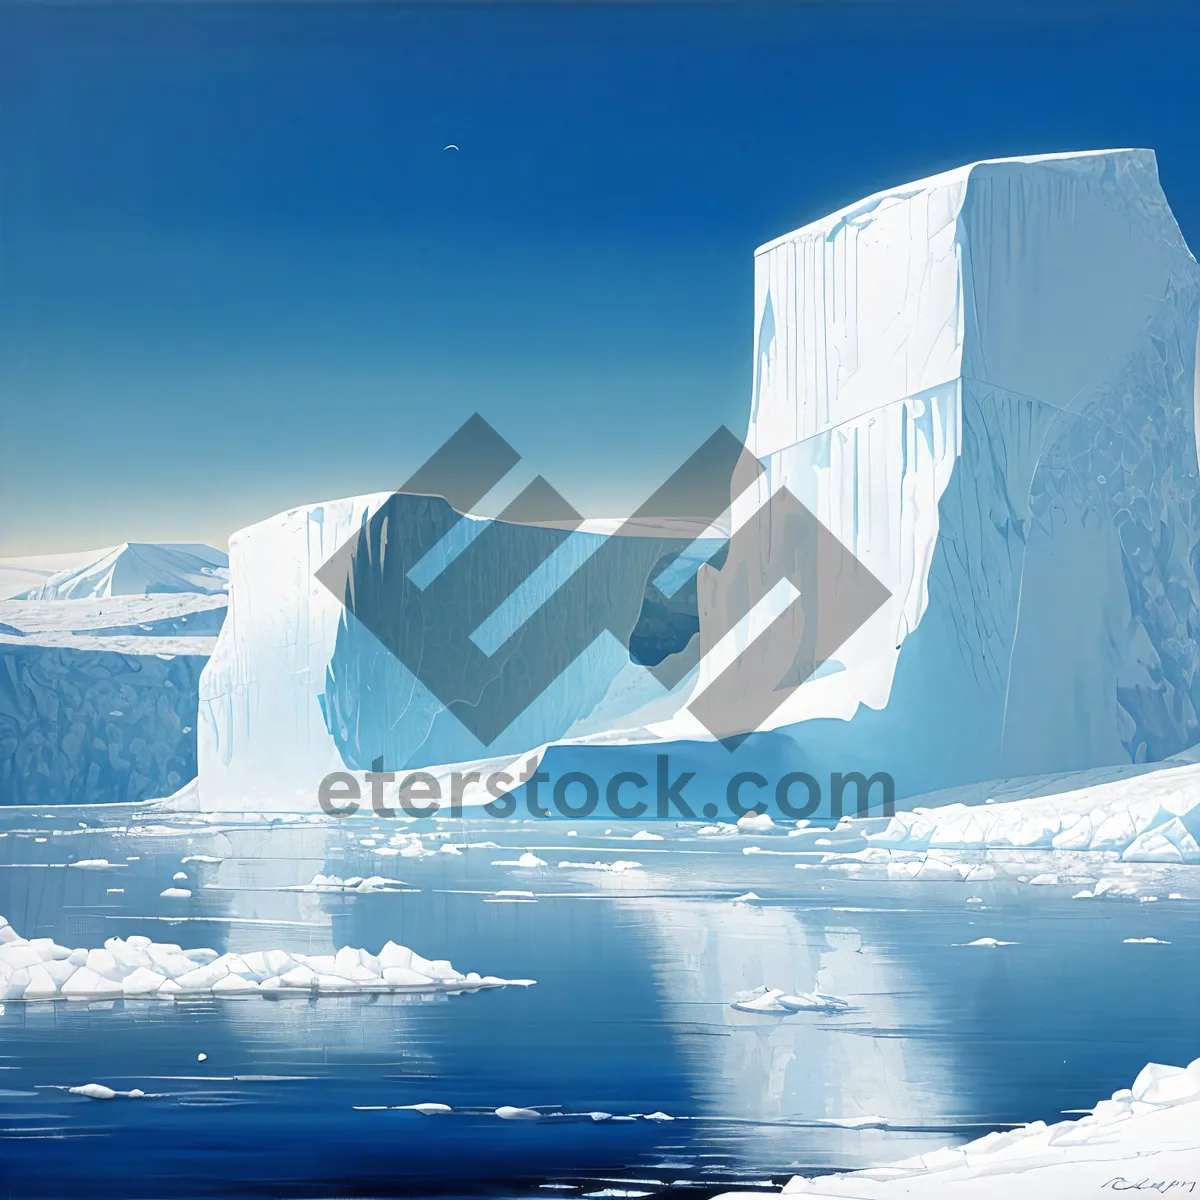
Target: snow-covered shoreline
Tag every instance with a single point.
(1145, 1138)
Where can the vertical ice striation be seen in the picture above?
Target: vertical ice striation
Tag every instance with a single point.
(983, 383)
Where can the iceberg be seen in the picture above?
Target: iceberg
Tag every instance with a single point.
(983, 384)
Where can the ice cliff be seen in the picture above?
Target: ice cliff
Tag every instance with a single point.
(983, 384)
(297, 687)
(98, 697)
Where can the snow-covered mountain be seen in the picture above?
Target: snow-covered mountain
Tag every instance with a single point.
(130, 569)
(21, 575)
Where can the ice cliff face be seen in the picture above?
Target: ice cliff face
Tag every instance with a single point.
(98, 697)
(298, 688)
(984, 384)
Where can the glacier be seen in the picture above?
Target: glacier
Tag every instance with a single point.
(983, 383)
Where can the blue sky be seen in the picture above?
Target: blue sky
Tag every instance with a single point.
(238, 272)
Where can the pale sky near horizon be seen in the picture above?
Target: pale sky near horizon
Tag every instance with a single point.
(238, 271)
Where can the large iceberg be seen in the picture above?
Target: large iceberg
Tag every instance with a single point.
(983, 385)
(297, 687)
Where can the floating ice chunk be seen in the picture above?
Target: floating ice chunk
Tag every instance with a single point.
(1113, 887)
(142, 982)
(989, 942)
(657, 1116)
(179, 875)
(201, 1057)
(718, 829)
(528, 860)
(427, 1108)
(756, 823)
(506, 1112)
(617, 866)
(644, 835)
(175, 893)
(1084, 894)
(136, 967)
(748, 898)
(974, 899)
(93, 864)
(200, 858)
(1146, 941)
(94, 1091)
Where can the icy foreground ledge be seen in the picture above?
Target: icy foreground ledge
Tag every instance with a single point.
(137, 968)
(1152, 818)
(1147, 1134)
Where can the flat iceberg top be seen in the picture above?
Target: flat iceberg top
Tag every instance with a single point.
(956, 175)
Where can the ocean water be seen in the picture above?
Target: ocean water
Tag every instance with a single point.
(630, 1015)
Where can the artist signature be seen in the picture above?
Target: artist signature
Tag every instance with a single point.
(1120, 1184)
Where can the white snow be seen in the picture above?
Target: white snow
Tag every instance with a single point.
(756, 823)
(135, 569)
(776, 1001)
(355, 883)
(99, 1091)
(137, 968)
(1141, 1140)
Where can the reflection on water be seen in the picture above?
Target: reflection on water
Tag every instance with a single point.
(630, 1017)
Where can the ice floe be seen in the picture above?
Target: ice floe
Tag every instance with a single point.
(617, 866)
(137, 968)
(528, 860)
(98, 1091)
(776, 1001)
(355, 883)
